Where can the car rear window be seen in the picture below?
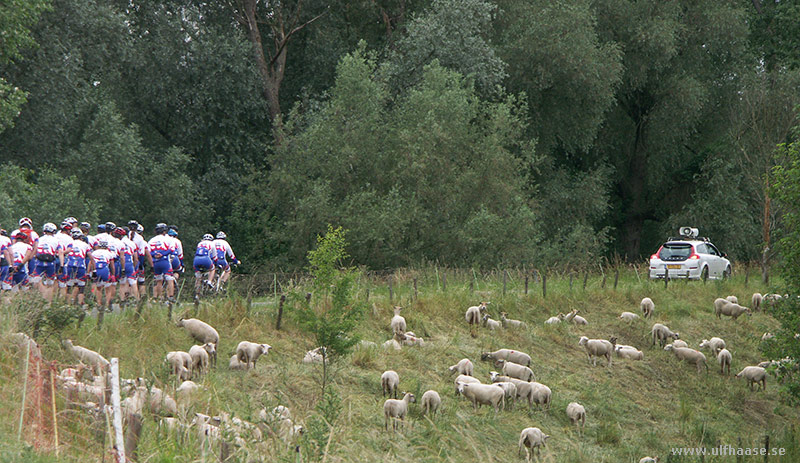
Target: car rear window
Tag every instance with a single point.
(675, 251)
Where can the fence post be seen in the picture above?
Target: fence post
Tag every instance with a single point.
(280, 310)
(766, 446)
(505, 278)
(526, 284)
(571, 275)
(616, 277)
(746, 275)
(444, 279)
(666, 276)
(437, 278)
(585, 279)
(132, 435)
(391, 293)
(544, 285)
(119, 442)
(415, 289)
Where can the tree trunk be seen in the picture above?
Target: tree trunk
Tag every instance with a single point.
(765, 235)
(633, 187)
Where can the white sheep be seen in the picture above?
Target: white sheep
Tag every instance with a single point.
(628, 316)
(732, 299)
(24, 342)
(181, 364)
(766, 336)
(186, 390)
(390, 381)
(87, 356)
(249, 352)
(555, 320)
(754, 375)
(648, 307)
(431, 402)
(200, 359)
(756, 301)
(288, 430)
(474, 313)
(576, 414)
(508, 354)
(689, 355)
(532, 439)
(398, 323)
(629, 353)
(540, 395)
(161, 403)
(724, 359)
(235, 364)
(464, 367)
(463, 379)
(570, 316)
(679, 343)
(201, 331)
(412, 340)
(661, 333)
(211, 349)
(314, 355)
(510, 391)
(516, 370)
(396, 410)
(578, 320)
(393, 344)
(483, 394)
(598, 348)
(730, 309)
(509, 322)
(490, 323)
(714, 344)
(649, 460)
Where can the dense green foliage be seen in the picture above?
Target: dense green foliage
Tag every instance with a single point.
(472, 132)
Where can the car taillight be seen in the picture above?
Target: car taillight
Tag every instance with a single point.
(654, 256)
(694, 256)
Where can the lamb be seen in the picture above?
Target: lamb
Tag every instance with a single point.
(249, 352)
(756, 301)
(186, 389)
(730, 309)
(398, 323)
(689, 355)
(628, 316)
(679, 343)
(662, 334)
(629, 353)
(87, 356)
(412, 340)
(648, 307)
(516, 370)
(464, 367)
(714, 344)
(200, 359)
(578, 320)
(754, 375)
(724, 359)
(490, 323)
(568, 317)
(532, 439)
(649, 460)
(732, 299)
(396, 409)
(235, 364)
(508, 354)
(161, 403)
(390, 380)
(576, 414)
(766, 336)
(555, 320)
(181, 363)
(475, 312)
(464, 379)
(201, 331)
(314, 355)
(510, 391)
(483, 394)
(598, 348)
(431, 402)
(510, 323)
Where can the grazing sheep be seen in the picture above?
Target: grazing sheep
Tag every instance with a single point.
(390, 380)
(756, 301)
(431, 402)
(201, 331)
(464, 379)
(396, 410)
(767, 336)
(278, 413)
(507, 354)
(516, 370)
(314, 355)
(578, 320)
(490, 323)
(628, 316)
(186, 389)
(568, 317)
(235, 364)
(87, 356)
(663, 334)
(398, 323)
(181, 363)
(689, 355)
(211, 349)
(714, 345)
(524, 388)
(475, 312)
(161, 403)
(483, 394)
(200, 359)
(464, 367)
(648, 307)
(510, 323)
(249, 352)
(532, 439)
(510, 391)
(555, 320)
(629, 353)
(724, 359)
(540, 395)
(730, 309)
(679, 343)
(732, 299)
(598, 348)
(754, 375)
(576, 414)
(649, 460)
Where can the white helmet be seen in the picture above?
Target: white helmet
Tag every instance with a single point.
(208, 237)
(49, 227)
(221, 235)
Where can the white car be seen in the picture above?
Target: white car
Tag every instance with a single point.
(689, 257)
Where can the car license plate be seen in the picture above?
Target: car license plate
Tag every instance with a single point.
(674, 267)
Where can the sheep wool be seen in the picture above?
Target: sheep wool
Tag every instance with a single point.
(532, 439)
(431, 402)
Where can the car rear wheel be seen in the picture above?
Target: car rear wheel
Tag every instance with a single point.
(704, 274)
(727, 273)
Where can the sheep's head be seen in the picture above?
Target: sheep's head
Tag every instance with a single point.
(613, 340)
(485, 355)
(704, 343)
(583, 340)
(210, 347)
(411, 397)
(669, 347)
(499, 363)
(397, 309)
(677, 335)
(67, 343)
(265, 348)
(493, 375)
(180, 322)
(748, 311)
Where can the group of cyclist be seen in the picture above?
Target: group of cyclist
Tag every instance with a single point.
(63, 260)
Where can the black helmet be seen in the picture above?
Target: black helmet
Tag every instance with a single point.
(132, 224)
(161, 228)
(110, 227)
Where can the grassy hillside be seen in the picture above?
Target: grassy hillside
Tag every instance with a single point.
(634, 408)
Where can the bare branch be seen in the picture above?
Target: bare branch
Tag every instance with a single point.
(285, 40)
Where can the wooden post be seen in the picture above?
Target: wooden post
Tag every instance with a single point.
(415, 289)
(225, 451)
(280, 311)
(603, 283)
(585, 279)
(391, 293)
(746, 275)
(544, 285)
(275, 285)
(505, 279)
(526, 284)
(616, 277)
(535, 276)
(571, 275)
(119, 442)
(666, 276)
(444, 280)
(766, 446)
(101, 312)
(132, 435)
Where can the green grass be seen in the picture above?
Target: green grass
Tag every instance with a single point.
(634, 408)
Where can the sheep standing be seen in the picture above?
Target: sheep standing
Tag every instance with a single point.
(510, 391)
(200, 359)
(483, 394)
(474, 313)
(754, 375)
(249, 352)
(396, 410)
(541, 395)
(732, 299)
(390, 380)
(714, 344)
(181, 363)
(628, 316)
(690, 356)
(576, 414)
(510, 323)
(663, 334)
(598, 348)
(532, 439)
(507, 354)
(398, 323)
(730, 309)
(649, 460)
(463, 379)
(201, 331)
(431, 402)
(87, 356)
(464, 367)
(724, 359)
(756, 301)
(516, 370)
(648, 307)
